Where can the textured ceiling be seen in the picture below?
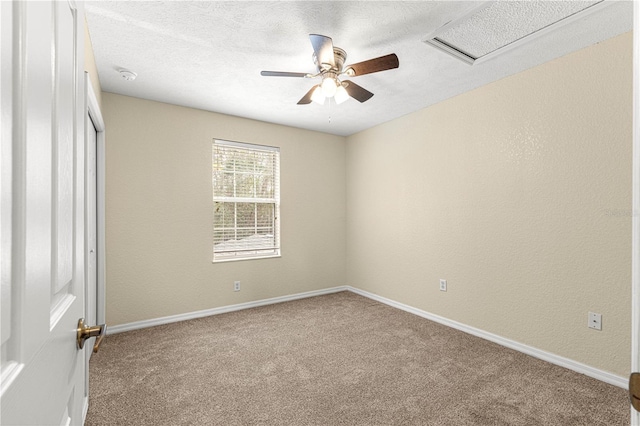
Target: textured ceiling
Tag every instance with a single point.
(503, 22)
(209, 55)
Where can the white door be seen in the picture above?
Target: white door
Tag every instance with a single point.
(42, 206)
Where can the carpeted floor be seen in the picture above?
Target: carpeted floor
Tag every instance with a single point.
(339, 359)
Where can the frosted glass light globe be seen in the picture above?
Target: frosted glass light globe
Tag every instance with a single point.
(329, 87)
(341, 95)
(317, 96)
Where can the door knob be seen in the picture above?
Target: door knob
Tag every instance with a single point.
(85, 332)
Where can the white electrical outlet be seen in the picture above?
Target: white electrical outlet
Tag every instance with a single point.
(236, 286)
(443, 285)
(595, 321)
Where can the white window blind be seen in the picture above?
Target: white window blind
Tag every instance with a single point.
(246, 201)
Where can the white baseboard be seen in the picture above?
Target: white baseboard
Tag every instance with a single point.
(529, 350)
(221, 310)
(512, 344)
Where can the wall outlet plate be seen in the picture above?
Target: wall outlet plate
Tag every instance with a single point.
(443, 285)
(236, 286)
(595, 321)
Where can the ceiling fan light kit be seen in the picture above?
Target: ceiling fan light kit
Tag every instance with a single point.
(329, 61)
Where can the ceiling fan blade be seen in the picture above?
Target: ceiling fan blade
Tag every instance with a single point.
(358, 93)
(282, 74)
(323, 47)
(306, 99)
(382, 63)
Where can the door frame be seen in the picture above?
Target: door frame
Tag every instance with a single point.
(94, 111)
(635, 212)
(93, 117)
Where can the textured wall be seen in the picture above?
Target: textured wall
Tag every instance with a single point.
(518, 193)
(160, 213)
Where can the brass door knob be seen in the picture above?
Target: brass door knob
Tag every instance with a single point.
(86, 332)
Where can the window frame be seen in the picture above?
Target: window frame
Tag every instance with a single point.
(256, 252)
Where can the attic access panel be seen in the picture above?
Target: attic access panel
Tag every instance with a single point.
(498, 26)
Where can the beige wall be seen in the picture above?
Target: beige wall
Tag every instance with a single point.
(159, 211)
(90, 65)
(518, 193)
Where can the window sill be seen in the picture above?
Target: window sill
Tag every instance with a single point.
(245, 258)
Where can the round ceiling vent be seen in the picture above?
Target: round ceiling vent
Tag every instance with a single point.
(127, 75)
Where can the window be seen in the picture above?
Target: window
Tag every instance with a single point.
(246, 201)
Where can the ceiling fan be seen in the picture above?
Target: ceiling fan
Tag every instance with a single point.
(330, 62)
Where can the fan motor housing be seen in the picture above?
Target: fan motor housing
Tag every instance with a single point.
(339, 56)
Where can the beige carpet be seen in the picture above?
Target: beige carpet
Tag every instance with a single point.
(339, 359)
